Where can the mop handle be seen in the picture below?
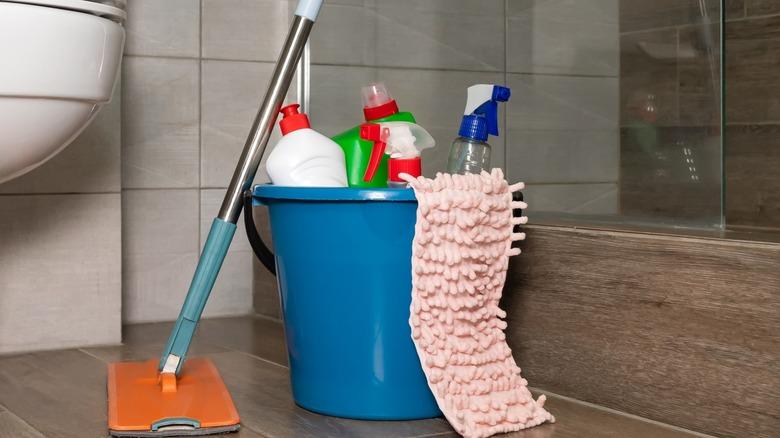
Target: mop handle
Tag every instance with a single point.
(224, 226)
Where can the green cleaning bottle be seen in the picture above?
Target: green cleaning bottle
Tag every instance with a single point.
(378, 106)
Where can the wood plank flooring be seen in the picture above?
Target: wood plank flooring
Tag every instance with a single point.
(62, 393)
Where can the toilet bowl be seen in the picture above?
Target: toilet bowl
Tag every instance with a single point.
(60, 61)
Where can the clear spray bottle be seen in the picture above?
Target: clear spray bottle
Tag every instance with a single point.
(470, 152)
(403, 142)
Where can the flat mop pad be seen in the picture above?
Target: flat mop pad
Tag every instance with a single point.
(142, 405)
(460, 255)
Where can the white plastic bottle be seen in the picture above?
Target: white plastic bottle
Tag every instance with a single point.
(304, 157)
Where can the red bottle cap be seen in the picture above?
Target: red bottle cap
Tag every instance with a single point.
(397, 166)
(292, 120)
(381, 111)
(377, 102)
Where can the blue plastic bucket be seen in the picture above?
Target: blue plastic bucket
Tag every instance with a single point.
(343, 261)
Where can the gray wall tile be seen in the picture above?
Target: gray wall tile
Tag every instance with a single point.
(163, 28)
(565, 130)
(462, 34)
(563, 156)
(345, 34)
(232, 294)
(161, 235)
(596, 199)
(562, 102)
(232, 92)
(444, 34)
(160, 251)
(60, 270)
(563, 37)
(335, 97)
(88, 165)
(160, 124)
(245, 30)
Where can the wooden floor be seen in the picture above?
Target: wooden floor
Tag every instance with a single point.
(62, 393)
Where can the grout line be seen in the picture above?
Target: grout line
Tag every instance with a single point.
(265, 317)
(59, 193)
(200, 124)
(141, 189)
(677, 111)
(244, 426)
(92, 355)
(620, 413)
(764, 123)
(456, 70)
(751, 17)
(678, 234)
(564, 183)
(262, 359)
(21, 420)
(446, 433)
(670, 27)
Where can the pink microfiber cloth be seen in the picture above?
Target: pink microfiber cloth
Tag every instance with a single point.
(461, 249)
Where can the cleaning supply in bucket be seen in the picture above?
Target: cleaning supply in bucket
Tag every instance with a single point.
(378, 106)
(470, 152)
(304, 157)
(460, 253)
(403, 142)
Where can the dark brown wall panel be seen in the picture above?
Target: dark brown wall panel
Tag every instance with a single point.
(681, 330)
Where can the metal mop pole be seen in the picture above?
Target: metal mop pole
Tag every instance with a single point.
(224, 226)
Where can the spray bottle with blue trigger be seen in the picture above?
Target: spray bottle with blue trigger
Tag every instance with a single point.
(470, 152)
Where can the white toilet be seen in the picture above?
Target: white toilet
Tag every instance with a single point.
(59, 60)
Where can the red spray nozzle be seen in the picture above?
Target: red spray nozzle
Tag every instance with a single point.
(292, 120)
(373, 132)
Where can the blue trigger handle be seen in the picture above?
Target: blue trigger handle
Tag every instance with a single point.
(490, 108)
(214, 252)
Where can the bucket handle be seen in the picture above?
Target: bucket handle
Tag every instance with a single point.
(265, 255)
(259, 247)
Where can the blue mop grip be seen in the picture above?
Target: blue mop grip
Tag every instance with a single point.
(214, 252)
(308, 9)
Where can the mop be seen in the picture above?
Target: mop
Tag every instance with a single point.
(176, 396)
(460, 253)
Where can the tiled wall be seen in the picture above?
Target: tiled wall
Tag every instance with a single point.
(562, 65)
(194, 75)
(559, 57)
(60, 245)
(559, 132)
(753, 115)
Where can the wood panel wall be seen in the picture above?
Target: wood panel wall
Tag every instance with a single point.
(681, 330)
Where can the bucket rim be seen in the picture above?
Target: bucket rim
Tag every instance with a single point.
(269, 192)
